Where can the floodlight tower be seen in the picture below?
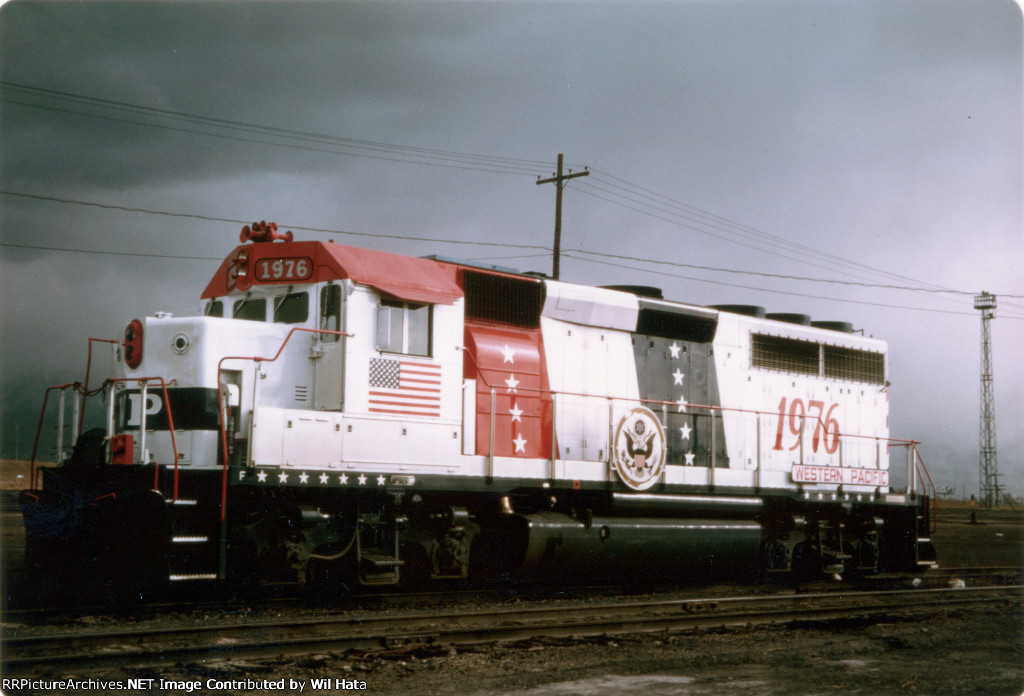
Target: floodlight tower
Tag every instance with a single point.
(988, 475)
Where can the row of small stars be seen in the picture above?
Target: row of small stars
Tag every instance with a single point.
(282, 477)
(835, 496)
(677, 378)
(512, 383)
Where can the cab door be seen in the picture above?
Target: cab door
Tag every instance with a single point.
(329, 351)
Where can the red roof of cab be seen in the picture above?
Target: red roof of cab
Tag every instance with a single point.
(405, 277)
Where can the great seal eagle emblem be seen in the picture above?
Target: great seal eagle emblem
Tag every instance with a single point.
(639, 449)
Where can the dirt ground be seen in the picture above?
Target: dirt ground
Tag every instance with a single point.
(962, 651)
(975, 652)
(15, 474)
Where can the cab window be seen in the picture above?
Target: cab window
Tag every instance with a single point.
(215, 309)
(403, 327)
(253, 309)
(330, 312)
(292, 308)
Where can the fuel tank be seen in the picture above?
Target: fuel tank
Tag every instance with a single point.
(554, 544)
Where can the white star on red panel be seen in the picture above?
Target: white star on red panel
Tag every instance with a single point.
(520, 444)
(509, 354)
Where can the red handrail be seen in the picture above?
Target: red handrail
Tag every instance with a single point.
(88, 369)
(220, 403)
(85, 393)
(170, 425)
(876, 438)
(919, 463)
(39, 429)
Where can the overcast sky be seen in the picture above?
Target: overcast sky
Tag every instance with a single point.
(857, 141)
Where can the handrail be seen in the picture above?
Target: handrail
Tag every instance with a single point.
(222, 416)
(664, 403)
(88, 369)
(39, 428)
(919, 461)
(80, 388)
(170, 426)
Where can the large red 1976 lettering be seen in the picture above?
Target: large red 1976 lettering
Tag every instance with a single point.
(826, 427)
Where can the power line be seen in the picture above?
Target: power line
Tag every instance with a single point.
(320, 230)
(742, 229)
(774, 275)
(756, 241)
(111, 253)
(491, 170)
(241, 125)
(640, 199)
(396, 153)
(778, 292)
(205, 218)
(670, 220)
(567, 255)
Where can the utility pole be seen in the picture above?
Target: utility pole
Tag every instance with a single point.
(988, 475)
(559, 180)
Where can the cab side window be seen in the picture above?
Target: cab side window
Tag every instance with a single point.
(330, 312)
(403, 327)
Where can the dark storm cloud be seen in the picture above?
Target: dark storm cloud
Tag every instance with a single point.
(317, 67)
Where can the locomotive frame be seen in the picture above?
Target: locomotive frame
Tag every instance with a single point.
(342, 416)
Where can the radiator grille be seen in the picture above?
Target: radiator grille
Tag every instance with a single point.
(854, 365)
(820, 360)
(503, 299)
(785, 354)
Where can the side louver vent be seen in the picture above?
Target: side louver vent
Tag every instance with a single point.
(503, 299)
(812, 358)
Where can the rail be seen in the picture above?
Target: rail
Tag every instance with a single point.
(222, 416)
(60, 426)
(933, 525)
(824, 426)
(77, 419)
(132, 647)
(143, 381)
(88, 370)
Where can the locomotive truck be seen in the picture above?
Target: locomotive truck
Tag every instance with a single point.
(344, 416)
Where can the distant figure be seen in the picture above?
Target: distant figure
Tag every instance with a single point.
(974, 510)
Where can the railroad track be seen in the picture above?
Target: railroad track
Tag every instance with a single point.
(81, 651)
(282, 599)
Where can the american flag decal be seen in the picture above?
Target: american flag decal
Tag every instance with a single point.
(405, 387)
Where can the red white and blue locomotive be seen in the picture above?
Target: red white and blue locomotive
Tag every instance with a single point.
(345, 415)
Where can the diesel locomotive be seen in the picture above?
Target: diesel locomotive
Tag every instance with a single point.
(344, 416)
